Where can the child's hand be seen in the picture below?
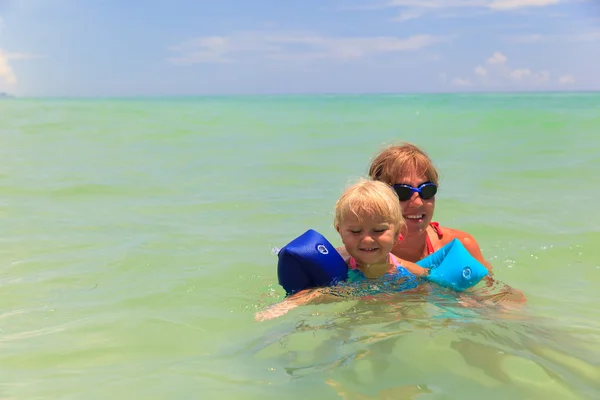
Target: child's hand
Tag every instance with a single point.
(301, 298)
(275, 311)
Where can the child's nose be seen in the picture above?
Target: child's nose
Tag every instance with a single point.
(368, 239)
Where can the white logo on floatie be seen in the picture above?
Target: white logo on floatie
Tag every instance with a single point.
(466, 273)
(322, 249)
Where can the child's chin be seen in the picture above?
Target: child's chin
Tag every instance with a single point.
(372, 260)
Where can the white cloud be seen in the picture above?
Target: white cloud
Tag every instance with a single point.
(587, 37)
(479, 70)
(541, 77)
(497, 58)
(499, 74)
(513, 4)
(520, 73)
(433, 4)
(411, 9)
(407, 15)
(533, 38)
(6, 71)
(528, 76)
(493, 4)
(22, 56)
(460, 82)
(295, 46)
(566, 79)
(7, 74)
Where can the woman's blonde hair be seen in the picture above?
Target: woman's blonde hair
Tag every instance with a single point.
(370, 198)
(402, 159)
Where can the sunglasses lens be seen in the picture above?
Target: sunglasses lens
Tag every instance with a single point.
(428, 192)
(403, 192)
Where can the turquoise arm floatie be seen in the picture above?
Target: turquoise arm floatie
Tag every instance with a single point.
(453, 267)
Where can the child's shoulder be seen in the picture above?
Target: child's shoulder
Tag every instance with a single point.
(344, 253)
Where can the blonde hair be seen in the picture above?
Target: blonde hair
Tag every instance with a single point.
(402, 159)
(370, 198)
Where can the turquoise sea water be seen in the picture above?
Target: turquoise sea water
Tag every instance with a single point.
(138, 239)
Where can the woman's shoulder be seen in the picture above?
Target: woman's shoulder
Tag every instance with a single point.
(448, 234)
(467, 240)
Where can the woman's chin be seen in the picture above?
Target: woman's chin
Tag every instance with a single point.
(415, 228)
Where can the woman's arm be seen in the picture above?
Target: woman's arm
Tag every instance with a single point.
(471, 245)
(507, 293)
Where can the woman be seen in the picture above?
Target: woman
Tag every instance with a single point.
(410, 171)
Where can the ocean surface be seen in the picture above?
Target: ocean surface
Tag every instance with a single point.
(139, 240)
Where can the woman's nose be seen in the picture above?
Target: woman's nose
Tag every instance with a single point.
(415, 199)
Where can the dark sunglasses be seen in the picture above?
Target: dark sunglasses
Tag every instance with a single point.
(426, 191)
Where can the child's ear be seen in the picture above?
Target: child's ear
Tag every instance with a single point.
(337, 228)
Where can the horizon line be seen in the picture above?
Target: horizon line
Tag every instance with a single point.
(9, 96)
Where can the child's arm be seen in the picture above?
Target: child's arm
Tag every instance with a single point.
(414, 268)
(343, 252)
(306, 296)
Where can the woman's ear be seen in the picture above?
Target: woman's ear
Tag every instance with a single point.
(398, 237)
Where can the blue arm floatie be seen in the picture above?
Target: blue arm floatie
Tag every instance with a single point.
(310, 261)
(453, 267)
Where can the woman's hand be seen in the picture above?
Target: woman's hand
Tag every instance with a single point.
(414, 268)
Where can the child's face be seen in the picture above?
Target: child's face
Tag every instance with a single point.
(369, 241)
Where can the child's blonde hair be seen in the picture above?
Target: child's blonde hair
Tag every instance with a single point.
(370, 198)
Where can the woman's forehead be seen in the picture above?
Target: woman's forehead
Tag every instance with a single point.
(411, 178)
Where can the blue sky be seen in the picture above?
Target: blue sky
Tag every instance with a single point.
(186, 47)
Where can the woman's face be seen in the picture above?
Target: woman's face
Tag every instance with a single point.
(417, 212)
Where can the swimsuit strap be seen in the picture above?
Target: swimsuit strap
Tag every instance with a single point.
(352, 262)
(394, 260)
(430, 249)
(438, 230)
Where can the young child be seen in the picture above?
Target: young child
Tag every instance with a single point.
(369, 220)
